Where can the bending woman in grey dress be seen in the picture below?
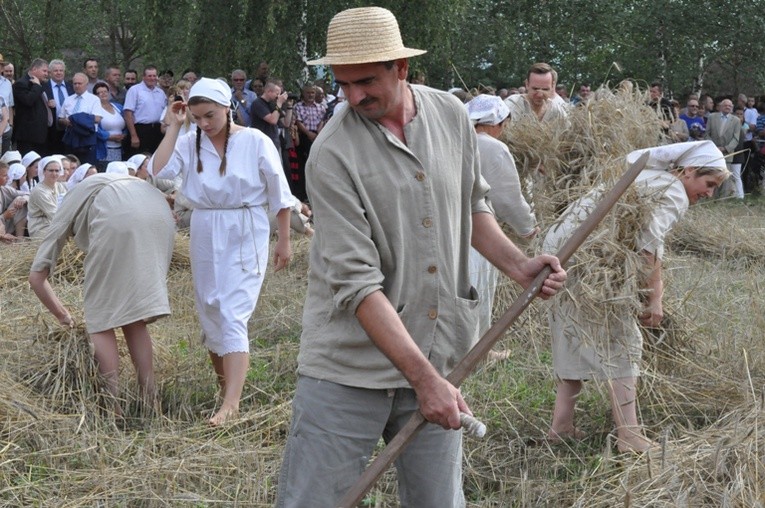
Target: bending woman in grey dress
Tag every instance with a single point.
(676, 176)
(127, 231)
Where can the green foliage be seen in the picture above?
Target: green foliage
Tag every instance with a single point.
(709, 44)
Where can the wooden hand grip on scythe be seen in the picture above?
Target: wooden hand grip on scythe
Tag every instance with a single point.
(466, 366)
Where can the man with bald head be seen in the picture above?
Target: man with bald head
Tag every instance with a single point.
(724, 129)
(81, 101)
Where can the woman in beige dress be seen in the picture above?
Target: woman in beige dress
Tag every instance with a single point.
(45, 197)
(676, 176)
(119, 222)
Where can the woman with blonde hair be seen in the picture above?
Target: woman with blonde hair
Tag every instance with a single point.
(230, 174)
(676, 176)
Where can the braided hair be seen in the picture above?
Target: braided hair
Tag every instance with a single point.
(222, 168)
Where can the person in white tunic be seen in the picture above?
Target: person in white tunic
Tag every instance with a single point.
(230, 175)
(489, 114)
(676, 175)
(45, 197)
(119, 222)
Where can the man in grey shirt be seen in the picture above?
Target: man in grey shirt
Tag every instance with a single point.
(395, 185)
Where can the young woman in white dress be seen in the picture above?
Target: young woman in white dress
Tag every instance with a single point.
(230, 174)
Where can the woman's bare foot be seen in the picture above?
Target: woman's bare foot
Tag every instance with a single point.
(633, 441)
(573, 434)
(224, 414)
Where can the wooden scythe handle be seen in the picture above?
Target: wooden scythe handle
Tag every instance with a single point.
(466, 366)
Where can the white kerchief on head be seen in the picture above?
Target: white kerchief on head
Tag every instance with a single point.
(213, 89)
(16, 171)
(29, 158)
(117, 167)
(696, 154)
(77, 175)
(47, 160)
(11, 156)
(487, 110)
(135, 161)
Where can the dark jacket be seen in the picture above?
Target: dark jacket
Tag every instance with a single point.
(48, 87)
(31, 111)
(81, 132)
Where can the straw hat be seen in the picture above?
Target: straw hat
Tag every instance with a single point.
(364, 35)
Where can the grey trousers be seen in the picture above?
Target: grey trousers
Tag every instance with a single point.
(333, 433)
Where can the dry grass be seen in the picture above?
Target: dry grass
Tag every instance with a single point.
(701, 396)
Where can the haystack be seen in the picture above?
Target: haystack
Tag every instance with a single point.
(583, 155)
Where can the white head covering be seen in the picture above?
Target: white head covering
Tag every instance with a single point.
(78, 175)
(16, 171)
(11, 156)
(213, 89)
(487, 110)
(47, 160)
(135, 161)
(117, 167)
(29, 158)
(697, 154)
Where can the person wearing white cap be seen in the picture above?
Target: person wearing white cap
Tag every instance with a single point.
(30, 161)
(395, 185)
(45, 197)
(120, 223)
(13, 208)
(675, 177)
(118, 168)
(11, 156)
(489, 114)
(230, 175)
(78, 175)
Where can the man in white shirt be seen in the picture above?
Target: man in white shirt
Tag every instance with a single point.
(81, 101)
(540, 100)
(57, 90)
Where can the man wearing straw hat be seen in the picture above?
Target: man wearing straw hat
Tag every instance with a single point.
(395, 185)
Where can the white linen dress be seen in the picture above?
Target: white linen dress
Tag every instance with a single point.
(579, 348)
(229, 228)
(506, 197)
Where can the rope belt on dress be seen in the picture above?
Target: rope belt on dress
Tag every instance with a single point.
(246, 214)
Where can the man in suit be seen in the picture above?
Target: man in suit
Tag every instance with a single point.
(724, 129)
(32, 116)
(57, 90)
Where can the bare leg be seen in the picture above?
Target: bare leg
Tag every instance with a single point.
(20, 227)
(566, 392)
(217, 362)
(107, 356)
(235, 367)
(629, 433)
(139, 345)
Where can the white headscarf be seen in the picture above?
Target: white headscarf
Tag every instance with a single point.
(16, 171)
(135, 161)
(696, 154)
(78, 175)
(213, 89)
(11, 156)
(29, 158)
(117, 167)
(487, 110)
(47, 160)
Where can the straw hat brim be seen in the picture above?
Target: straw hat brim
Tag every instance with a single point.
(354, 58)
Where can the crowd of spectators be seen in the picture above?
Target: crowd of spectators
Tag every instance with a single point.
(97, 118)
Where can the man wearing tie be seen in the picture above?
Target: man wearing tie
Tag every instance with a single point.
(81, 101)
(57, 91)
(724, 129)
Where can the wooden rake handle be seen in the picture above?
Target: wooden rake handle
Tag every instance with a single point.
(468, 364)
